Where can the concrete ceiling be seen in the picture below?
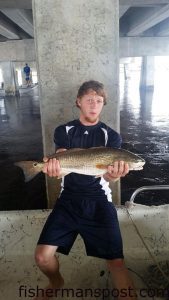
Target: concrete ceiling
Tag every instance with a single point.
(144, 18)
(137, 18)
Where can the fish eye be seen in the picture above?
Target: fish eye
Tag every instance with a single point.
(35, 164)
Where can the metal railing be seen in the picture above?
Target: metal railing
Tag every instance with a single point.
(147, 188)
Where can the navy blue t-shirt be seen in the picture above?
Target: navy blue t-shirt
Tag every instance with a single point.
(27, 69)
(76, 135)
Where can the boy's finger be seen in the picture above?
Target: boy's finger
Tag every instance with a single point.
(45, 159)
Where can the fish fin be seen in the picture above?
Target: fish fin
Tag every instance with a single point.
(62, 175)
(28, 169)
(101, 166)
(71, 150)
(97, 147)
(116, 179)
(74, 149)
(61, 153)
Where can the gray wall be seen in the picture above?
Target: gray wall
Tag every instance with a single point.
(75, 41)
(24, 50)
(144, 46)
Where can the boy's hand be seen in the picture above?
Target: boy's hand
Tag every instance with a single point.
(52, 165)
(119, 169)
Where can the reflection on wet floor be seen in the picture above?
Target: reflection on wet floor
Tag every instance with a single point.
(21, 139)
(144, 128)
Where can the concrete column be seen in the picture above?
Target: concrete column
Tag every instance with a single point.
(75, 41)
(146, 97)
(10, 78)
(147, 73)
(23, 78)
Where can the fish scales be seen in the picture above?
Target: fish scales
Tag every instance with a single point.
(92, 156)
(82, 159)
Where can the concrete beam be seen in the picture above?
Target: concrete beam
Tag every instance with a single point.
(20, 17)
(123, 9)
(22, 50)
(3, 38)
(26, 4)
(142, 3)
(148, 19)
(144, 46)
(163, 29)
(7, 30)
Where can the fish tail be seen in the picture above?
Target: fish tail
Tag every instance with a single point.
(29, 168)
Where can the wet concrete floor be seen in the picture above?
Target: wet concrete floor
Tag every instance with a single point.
(21, 139)
(144, 131)
(144, 128)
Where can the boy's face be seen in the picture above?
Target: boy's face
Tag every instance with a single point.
(90, 105)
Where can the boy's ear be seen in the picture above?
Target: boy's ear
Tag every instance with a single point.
(78, 104)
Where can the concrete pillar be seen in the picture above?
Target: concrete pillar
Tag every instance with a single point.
(147, 73)
(146, 100)
(23, 78)
(75, 41)
(10, 78)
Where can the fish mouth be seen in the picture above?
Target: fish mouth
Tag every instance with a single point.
(138, 165)
(138, 168)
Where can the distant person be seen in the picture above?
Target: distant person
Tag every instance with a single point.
(27, 71)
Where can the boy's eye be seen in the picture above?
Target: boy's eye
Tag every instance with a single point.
(98, 101)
